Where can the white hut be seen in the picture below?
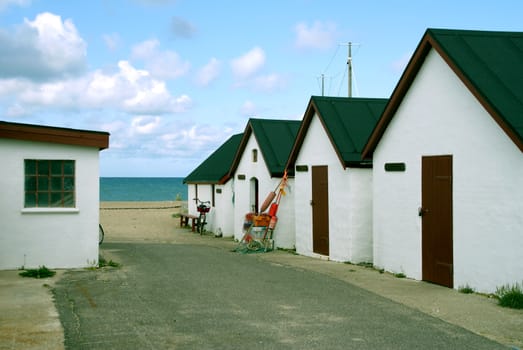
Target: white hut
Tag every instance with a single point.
(333, 186)
(49, 202)
(210, 182)
(258, 169)
(448, 163)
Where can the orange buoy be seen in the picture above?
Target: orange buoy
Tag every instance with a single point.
(268, 200)
(272, 223)
(274, 209)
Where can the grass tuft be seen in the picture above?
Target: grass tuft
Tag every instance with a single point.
(103, 263)
(41, 272)
(466, 289)
(510, 295)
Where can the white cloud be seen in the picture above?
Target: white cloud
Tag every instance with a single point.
(248, 109)
(182, 28)
(208, 73)
(269, 82)
(112, 41)
(43, 49)
(249, 63)
(6, 3)
(127, 89)
(317, 36)
(145, 124)
(161, 64)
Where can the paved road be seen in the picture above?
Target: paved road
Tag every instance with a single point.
(186, 296)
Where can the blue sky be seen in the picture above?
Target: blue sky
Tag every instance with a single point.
(171, 80)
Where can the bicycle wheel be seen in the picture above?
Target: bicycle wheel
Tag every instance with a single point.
(203, 221)
(101, 234)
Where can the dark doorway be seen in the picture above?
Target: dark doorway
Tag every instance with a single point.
(254, 195)
(436, 211)
(320, 210)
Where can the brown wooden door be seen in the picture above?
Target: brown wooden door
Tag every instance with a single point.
(320, 210)
(436, 211)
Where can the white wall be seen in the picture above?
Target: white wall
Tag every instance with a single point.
(57, 237)
(204, 194)
(284, 234)
(224, 209)
(350, 201)
(439, 116)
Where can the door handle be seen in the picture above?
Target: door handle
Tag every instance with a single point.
(311, 202)
(422, 211)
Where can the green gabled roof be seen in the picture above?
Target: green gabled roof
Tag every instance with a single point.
(275, 138)
(348, 123)
(489, 63)
(215, 169)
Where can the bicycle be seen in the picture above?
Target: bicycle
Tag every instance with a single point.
(203, 208)
(101, 234)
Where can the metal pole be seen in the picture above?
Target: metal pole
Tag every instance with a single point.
(349, 63)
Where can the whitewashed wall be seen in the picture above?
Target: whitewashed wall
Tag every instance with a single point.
(284, 234)
(224, 209)
(204, 194)
(350, 201)
(439, 116)
(57, 237)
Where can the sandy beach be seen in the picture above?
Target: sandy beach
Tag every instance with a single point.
(141, 221)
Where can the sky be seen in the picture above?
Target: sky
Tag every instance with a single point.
(171, 80)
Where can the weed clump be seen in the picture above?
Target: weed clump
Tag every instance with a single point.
(466, 289)
(41, 272)
(510, 295)
(103, 263)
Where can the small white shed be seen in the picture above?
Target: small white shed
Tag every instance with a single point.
(333, 186)
(258, 168)
(448, 163)
(49, 202)
(210, 181)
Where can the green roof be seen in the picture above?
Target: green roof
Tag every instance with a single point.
(215, 168)
(493, 63)
(275, 138)
(348, 122)
(489, 63)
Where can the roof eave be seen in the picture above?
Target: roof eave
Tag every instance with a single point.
(427, 43)
(398, 93)
(40, 133)
(298, 142)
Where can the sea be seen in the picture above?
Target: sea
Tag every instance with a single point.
(142, 189)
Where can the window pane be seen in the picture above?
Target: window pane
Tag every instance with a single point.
(30, 166)
(30, 183)
(43, 199)
(43, 167)
(68, 167)
(49, 183)
(69, 199)
(56, 167)
(56, 199)
(30, 200)
(56, 183)
(68, 183)
(43, 183)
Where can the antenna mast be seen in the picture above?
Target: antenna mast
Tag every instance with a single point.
(322, 84)
(349, 65)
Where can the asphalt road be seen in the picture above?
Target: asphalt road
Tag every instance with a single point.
(182, 296)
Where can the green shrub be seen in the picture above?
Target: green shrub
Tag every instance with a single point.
(400, 275)
(466, 289)
(103, 263)
(41, 272)
(510, 295)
